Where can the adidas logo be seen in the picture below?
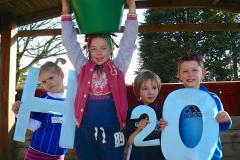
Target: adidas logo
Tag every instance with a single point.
(192, 111)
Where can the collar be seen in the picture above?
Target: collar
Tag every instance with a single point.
(202, 87)
(58, 95)
(152, 105)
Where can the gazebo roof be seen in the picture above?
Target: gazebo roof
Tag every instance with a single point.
(28, 11)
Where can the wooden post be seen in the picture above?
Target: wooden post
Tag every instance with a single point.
(8, 52)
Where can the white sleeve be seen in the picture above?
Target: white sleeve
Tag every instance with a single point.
(33, 124)
(127, 45)
(70, 42)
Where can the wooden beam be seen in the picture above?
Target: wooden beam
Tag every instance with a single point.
(215, 2)
(42, 32)
(188, 27)
(38, 16)
(148, 28)
(7, 84)
(141, 4)
(163, 4)
(2, 1)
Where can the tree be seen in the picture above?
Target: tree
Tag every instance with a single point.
(220, 48)
(160, 51)
(30, 50)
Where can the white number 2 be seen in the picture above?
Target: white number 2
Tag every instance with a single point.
(136, 113)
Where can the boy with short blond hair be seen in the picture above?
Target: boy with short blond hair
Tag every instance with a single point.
(191, 71)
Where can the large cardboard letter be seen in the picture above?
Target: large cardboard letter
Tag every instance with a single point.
(139, 139)
(194, 104)
(30, 103)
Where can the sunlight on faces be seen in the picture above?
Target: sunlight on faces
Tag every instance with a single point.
(52, 81)
(148, 91)
(99, 50)
(191, 74)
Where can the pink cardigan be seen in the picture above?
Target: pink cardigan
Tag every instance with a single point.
(117, 86)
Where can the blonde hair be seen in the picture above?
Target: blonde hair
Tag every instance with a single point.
(143, 76)
(50, 66)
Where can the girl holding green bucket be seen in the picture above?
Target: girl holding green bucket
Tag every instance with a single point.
(101, 100)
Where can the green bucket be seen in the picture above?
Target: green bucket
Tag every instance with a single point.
(98, 16)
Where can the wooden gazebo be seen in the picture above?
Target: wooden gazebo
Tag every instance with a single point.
(14, 13)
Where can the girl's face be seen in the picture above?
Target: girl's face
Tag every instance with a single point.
(148, 91)
(99, 50)
(51, 81)
(191, 74)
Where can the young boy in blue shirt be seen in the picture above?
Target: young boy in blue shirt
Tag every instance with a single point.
(191, 71)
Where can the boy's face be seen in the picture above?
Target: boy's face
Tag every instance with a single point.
(99, 50)
(191, 74)
(51, 81)
(148, 91)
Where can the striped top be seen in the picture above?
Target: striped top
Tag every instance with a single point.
(46, 138)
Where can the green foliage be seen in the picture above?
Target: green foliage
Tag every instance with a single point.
(159, 52)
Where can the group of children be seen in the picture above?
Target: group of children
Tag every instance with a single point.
(101, 108)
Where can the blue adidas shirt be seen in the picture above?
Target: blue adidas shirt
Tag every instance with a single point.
(218, 154)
